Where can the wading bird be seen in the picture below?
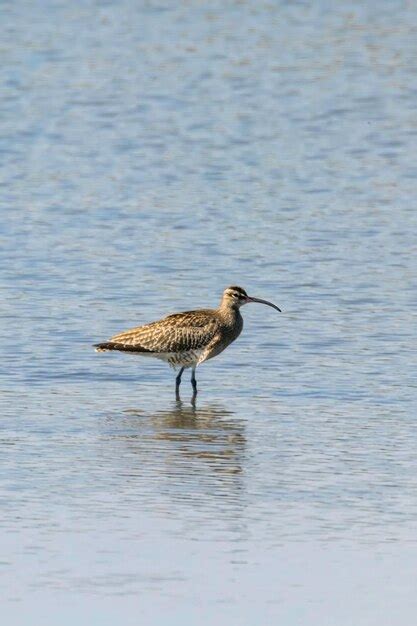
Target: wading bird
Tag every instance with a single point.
(187, 339)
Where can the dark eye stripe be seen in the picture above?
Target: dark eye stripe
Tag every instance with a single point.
(238, 290)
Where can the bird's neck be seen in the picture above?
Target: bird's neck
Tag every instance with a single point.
(229, 313)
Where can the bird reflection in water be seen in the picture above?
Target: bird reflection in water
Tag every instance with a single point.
(184, 462)
(209, 433)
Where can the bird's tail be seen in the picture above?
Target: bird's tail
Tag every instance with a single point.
(122, 347)
(103, 347)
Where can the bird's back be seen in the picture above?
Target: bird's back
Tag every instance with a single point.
(177, 333)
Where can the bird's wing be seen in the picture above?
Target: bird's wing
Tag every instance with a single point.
(180, 332)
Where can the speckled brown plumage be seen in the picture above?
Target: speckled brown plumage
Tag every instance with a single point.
(181, 338)
(186, 339)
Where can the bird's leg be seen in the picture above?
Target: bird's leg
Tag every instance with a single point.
(193, 381)
(178, 382)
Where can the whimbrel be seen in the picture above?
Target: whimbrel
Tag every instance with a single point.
(187, 339)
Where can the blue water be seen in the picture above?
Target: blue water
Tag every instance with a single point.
(153, 153)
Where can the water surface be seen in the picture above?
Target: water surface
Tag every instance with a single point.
(152, 154)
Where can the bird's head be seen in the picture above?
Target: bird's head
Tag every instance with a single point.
(236, 297)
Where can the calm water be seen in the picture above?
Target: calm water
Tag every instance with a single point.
(151, 154)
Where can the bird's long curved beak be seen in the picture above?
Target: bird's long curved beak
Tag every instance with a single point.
(250, 299)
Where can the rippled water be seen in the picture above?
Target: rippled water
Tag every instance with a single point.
(151, 154)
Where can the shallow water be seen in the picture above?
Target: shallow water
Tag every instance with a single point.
(151, 155)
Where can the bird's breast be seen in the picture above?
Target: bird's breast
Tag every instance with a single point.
(231, 331)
